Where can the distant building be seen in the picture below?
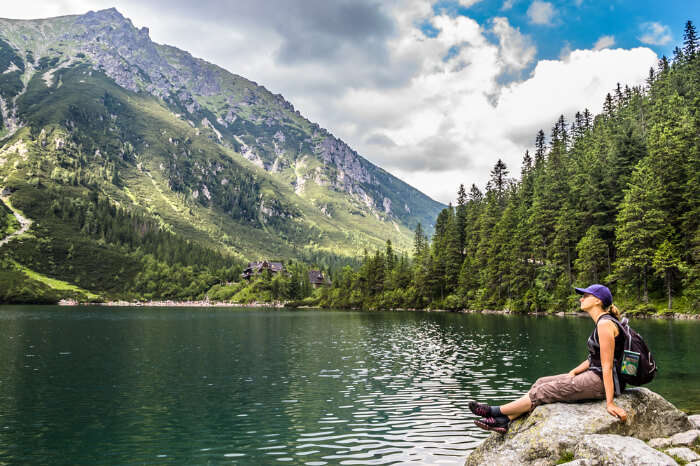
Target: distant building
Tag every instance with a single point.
(317, 279)
(256, 268)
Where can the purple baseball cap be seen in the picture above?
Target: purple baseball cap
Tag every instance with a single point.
(599, 291)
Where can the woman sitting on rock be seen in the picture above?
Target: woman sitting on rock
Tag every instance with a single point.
(595, 378)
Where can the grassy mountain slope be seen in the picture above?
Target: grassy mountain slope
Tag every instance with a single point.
(132, 194)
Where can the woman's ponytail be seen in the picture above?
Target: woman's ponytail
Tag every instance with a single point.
(614, 311)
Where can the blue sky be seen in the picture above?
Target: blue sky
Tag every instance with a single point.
(581, 23)
(433, 91)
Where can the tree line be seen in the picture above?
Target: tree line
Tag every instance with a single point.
(611, 198)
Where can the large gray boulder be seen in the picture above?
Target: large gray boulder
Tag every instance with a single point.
(553, 431)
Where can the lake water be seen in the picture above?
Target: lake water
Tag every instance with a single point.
(250, 386)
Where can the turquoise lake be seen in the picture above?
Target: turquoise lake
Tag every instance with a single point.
(99, 385)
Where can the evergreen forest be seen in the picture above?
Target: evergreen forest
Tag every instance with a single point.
(612, 198)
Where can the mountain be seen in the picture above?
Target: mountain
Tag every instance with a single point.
(111, 141)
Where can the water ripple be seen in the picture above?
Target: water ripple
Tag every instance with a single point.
(255, 387)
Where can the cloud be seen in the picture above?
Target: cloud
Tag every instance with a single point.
(566, 86)
(380, 140)
(468, 3)
(604, 42)
(515, 49)
(654, 33)
(541, 12)
(565, 50)
(507, 5)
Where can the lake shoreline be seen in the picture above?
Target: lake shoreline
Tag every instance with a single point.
(282, 305)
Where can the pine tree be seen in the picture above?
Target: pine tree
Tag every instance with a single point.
(451, 255)
(667, 259)
(564, 236)
(587, 118)
(608, 106)
(690, 40)
(651, 78)
(461, 217)
(619, 99)
(475, 194)
(628, 148)
(499, 175)
(390, 258)
(526, 167)
(437, 253)
(678, 55)
(591, 252)
(540, 149)
(420, 242)
(673, 139)
(641, 226)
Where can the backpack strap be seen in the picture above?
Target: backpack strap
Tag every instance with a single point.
(616, 364)
(624, 326)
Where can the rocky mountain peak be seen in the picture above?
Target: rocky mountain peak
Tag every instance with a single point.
(102, 16)
(263, 127)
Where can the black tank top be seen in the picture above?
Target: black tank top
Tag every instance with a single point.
(594, 353)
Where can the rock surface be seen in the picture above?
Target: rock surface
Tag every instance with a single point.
(683, 453)
(553, 430)
(685, 439)
(695, 419)
(614, 450)
(660, 442)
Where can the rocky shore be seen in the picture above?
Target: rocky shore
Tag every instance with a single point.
(584, 434)
(281, 304)
(167, 303)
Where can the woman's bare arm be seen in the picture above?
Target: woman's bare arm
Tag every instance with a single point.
(606, 338)
(580, 368)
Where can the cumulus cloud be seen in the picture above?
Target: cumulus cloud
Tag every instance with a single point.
(507, 5)
(468, 3)
(566, 86)
(604, 42)
(540, 12)
(516, 50)
(654, 33)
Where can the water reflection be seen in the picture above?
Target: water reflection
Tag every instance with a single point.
(251, 386)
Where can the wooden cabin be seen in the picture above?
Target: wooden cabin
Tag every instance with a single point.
(256, 268)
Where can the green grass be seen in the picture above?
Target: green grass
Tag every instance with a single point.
(57, 285)
(126, 147)
(566, 457)
(8, 222)
(17, 288)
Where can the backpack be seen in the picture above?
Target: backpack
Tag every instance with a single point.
(637, 366)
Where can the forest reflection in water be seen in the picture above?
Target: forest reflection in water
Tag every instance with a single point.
(120, 385)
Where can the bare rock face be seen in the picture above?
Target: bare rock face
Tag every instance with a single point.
(553, 430)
